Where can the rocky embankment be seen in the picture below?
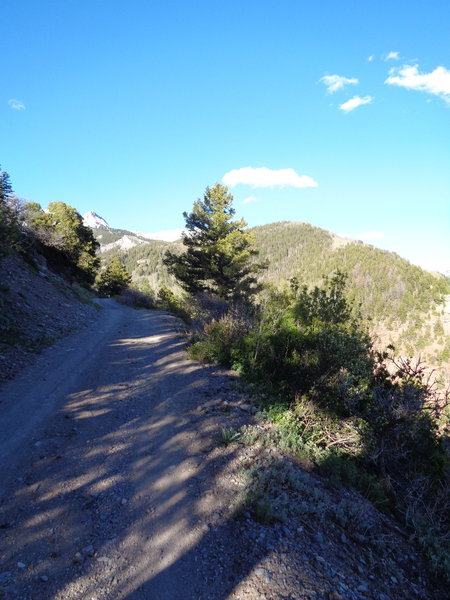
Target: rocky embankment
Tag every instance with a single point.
(36, 308)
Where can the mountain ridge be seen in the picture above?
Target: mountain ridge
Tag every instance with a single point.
(402, 303)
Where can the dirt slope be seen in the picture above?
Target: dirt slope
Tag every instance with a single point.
(36, 308)
(113, 486)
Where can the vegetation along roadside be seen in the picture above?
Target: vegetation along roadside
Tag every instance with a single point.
(365, 417)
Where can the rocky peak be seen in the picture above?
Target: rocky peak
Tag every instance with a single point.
(94, 221)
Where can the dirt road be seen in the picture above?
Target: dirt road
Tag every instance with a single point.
(114, 487)
(107, 480)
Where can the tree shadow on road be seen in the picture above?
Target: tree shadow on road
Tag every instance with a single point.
(118, 499)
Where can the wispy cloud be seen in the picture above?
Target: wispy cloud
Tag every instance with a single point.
(16, 104)
(264, 177)
(392, 56)
(250, 199)
(355, 102)
(371, 58)
(336, 82)
(436, 82)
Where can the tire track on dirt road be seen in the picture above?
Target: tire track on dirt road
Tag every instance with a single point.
(107, 480)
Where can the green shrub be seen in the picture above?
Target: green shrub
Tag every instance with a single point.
(221, 343)
(167, 300)
(348, 471)
(228, 435)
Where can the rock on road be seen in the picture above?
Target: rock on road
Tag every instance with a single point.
(105, 469)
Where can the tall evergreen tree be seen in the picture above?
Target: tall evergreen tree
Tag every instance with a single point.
(114, 279)
(9, 226)
(219, 253)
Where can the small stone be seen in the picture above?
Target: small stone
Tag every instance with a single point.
(43, 578)
(286, 531)
(245, 407)
(344, 538)
(124, 500)
(21, 565)
(205, 527)
(89, 550)
(260, 571)
(394, 579)
(5, 577)
(363, 587)
(320, 558)
(319, 538)
(78, 558)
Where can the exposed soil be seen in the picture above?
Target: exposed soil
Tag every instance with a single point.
(36, 308)
(113, 486)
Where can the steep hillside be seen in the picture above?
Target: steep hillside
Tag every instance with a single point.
(36, 307)
(386, 284)
(402, 303)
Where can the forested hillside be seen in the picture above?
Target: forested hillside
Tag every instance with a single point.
(386, 284)
(145, 262)
(402, 303)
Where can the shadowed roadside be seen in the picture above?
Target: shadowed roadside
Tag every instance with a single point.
(113, 493)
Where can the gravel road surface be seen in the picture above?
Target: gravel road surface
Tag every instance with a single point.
(106, 471)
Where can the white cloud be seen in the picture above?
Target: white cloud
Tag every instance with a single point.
(250, 199)
(16, 104)
(371, 57)
(264, 177)
(355, 102)
(392, 56)
(336, 82)
(436, 82)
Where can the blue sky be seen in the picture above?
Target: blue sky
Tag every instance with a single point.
(334, 113)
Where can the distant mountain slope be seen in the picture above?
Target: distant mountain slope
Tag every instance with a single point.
(385, 283)
(145, 262)
(403, 303)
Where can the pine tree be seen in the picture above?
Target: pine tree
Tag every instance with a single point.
(9, 226)
(114, 279)
(219, 253)
(62, 227)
